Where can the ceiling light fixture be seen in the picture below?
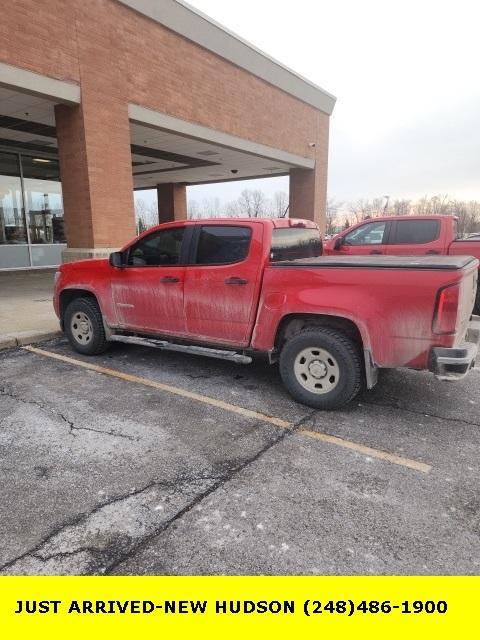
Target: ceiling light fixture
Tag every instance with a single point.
(44, 160)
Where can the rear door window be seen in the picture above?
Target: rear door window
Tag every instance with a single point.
(415, 231)
(223, 244)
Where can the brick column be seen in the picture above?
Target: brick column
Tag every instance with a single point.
(96, 174)
(308, 187)
(172, 202)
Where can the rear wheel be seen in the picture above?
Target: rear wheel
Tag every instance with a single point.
(84, 327)
(321, 368)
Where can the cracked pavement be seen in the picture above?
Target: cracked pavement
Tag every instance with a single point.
(105, 476)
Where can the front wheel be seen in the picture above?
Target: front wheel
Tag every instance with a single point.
(84, 326)
(321, 368)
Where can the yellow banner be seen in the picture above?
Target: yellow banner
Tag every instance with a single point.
(239, 607)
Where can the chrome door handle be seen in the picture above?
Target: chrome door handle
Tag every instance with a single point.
(235, 280)
(376, 253)
(169, 279)
(432, 252)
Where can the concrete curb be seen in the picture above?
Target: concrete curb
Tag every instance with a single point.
(11, 340)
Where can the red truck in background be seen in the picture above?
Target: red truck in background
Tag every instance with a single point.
(405, 235)
(233, 288)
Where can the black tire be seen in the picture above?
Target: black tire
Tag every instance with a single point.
(335, 376)
(83, 326)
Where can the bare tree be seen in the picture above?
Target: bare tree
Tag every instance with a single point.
(432, 206)
(255, 204)
(252, 203)
(212, 208)
(357, 209)
(208, 208)
(332, 216)
(146, 215)
(280, 204)
(463, 218)
(468, 216)
(233, 209)
(193, 209)
(401, 207)
(474, 212)
(140, 207)
(363, 209)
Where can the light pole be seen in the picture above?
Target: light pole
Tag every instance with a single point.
(387, 199)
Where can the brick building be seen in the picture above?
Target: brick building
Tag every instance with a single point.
(101, 97)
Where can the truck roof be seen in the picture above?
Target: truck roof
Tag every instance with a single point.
(425, 216)
(276, 223)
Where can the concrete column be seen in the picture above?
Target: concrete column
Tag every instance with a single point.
(172, 202)
(308, 187)
(96, 174)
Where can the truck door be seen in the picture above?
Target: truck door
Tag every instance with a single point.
(148, 291)
(366, 239)
(222, 282)
(415, 238)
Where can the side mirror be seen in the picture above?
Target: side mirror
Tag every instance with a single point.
(338, 243)
(116, 260)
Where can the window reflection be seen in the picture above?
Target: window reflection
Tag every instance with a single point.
(12, 224)
(40, 206)
(43, 200)
(45, 211)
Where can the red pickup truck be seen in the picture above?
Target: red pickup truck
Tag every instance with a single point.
(233, 288)
(405, 235)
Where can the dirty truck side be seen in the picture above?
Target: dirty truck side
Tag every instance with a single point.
(231, 289)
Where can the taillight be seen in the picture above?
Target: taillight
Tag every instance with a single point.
(446, 312)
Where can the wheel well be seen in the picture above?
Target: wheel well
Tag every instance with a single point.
(68, 295)
(292, 324)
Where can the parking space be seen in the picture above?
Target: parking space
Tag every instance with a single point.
(148, 462)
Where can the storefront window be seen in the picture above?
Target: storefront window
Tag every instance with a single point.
(13, 234)
(40, 206)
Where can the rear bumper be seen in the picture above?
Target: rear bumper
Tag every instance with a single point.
(455, 362)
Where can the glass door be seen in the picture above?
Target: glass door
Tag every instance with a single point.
(44, 207)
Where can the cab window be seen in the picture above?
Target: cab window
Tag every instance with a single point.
(371, 233)
(415, 231)
(157, 249)
(294, 243)
(222, 244)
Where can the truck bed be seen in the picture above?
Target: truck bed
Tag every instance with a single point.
(390, 299)
(444, 263)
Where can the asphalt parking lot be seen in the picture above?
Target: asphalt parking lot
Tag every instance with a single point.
(162, 463)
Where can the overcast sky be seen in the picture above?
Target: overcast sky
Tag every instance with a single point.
(406, 77)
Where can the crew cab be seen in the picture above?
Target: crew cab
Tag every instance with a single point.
(233, 288)
(405, 235)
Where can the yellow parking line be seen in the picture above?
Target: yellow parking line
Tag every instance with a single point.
(277, 422)
(232, 408)
(368, 451)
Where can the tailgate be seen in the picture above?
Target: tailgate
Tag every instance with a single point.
(468, 289)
